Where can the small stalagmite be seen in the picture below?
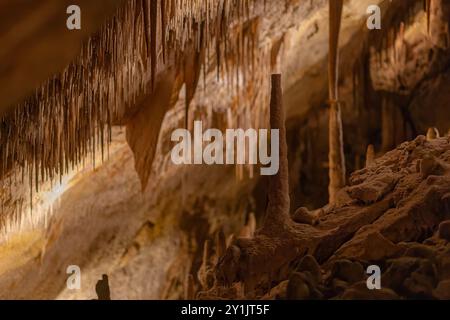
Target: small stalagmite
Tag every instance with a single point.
(432, 133)
(278, 207)
(370, 155)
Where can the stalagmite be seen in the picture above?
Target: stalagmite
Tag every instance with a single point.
(336, 157)
(432, 133)
(71, 115)
(205, 273)
(278, 207)
(370, 155)
(189, 288)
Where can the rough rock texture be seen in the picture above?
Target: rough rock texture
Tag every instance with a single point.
(395, 214)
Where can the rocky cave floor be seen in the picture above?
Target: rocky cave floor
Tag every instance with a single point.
(394, 214)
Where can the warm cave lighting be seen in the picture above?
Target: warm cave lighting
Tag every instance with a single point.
(36, 214)
(34, 210)
(226, 155)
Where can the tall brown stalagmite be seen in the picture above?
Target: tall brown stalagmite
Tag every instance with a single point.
(278, 206)
(336, 145)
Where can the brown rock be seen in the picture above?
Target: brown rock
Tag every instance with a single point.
(348, 271)
(421, 282)
(398, 270)
(442, 290)
(370, 155)
(316, 295)
(359, 291)
(420, 251)
(279, 292)
(444, 267)
(373, 190)
(377, 247)
(304, 216)
(230, 262)
(429, 165)
(444, 230)
(309, 263)
(339, 285)
(297, 288)
(419, 285)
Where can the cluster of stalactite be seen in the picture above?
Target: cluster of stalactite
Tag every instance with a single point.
(385, 63)
(22, 213)
(388, 51)
(11, 219)
(70, 116)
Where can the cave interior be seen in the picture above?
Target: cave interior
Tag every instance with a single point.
(87, 177)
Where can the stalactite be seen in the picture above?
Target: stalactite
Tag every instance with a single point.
(221, 243)
(71, 115)
(163, 14)
(336, 145)
(153, 39)
(192, 71)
